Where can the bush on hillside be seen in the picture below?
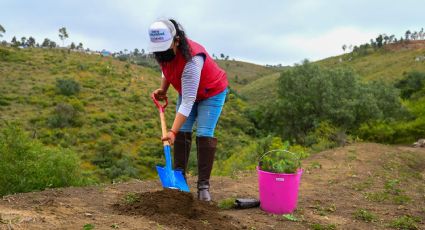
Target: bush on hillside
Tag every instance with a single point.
(113, 164)
(65, 115)
(67, 87)
(26, 165)
(411, 83)
(309, 94)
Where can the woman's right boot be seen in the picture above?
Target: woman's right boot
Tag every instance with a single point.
(182, 145)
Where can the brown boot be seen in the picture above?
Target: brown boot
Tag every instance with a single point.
(206, 147)
(182, 146)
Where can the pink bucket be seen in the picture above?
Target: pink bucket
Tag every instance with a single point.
(278, 191)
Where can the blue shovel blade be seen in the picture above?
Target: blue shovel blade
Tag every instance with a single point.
(172, 179)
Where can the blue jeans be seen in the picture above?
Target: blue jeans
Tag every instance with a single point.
(205, 113)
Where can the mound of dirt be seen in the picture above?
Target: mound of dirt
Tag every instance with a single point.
(174, 208)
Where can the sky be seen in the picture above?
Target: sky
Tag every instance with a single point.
(263, 32)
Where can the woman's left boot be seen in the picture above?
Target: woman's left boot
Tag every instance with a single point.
(206, 148)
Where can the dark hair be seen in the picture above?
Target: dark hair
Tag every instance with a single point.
(183, 44)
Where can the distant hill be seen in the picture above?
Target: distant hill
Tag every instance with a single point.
(241, 74)
(388, 64)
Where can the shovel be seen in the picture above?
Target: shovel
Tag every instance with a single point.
(169, 178)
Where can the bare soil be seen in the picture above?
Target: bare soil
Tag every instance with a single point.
(406, 45)
(387, 181)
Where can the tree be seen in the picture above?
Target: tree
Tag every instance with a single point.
(379, 40)
(23, 41)
(52, 44)
(407, 34)
(72, 46)
(309, 94)
(2, 31)
(344, 47)
(63, 35)
(136, 52)
(15, 42)
(414, 36)
(386, 39)
(222, 56)
(45, 43)
(80, 46)
(31, 42)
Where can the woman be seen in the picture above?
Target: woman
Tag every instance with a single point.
(202, 88)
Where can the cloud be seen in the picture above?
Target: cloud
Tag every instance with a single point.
(328, 43)
(270, 32)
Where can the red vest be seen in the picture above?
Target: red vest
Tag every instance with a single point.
(213, 79)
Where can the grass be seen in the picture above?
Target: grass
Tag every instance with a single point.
(290, 217)
(88, 227)
(315, 165)
(228, 203)
(324, 210)
(405, 222)
(317, 226)
(365, 184)
(364, 215)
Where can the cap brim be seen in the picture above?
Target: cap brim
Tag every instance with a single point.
(159, 46)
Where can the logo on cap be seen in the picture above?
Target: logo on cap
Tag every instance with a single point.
(159, 35)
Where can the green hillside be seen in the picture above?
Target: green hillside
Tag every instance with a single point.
(111, 123)
(260, 89)
(386, 64)
(243, 73)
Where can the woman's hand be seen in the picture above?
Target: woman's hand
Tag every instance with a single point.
(160, 94)
(171, 137)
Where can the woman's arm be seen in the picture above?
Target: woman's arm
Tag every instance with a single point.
(190, 82)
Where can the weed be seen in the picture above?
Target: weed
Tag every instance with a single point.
(88, 227)
(366, 216)
(405, 222)
(391, 187)
(363, 185)
(315, 165)
(401, 199)
(317, 226)
(228, 203)
(377, 196)
(323, 211)
(131, 198)
(290, 217)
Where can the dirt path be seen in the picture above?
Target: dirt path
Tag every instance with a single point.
(386, 181)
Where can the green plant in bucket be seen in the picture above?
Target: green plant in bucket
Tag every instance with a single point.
(280, 161)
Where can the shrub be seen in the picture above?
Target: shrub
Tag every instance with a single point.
(411, 83)
(64, 115)
(27, 165)
(113, 164)
(67, 87)
(309, 94)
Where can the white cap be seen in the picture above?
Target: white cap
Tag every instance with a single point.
(161, 35)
